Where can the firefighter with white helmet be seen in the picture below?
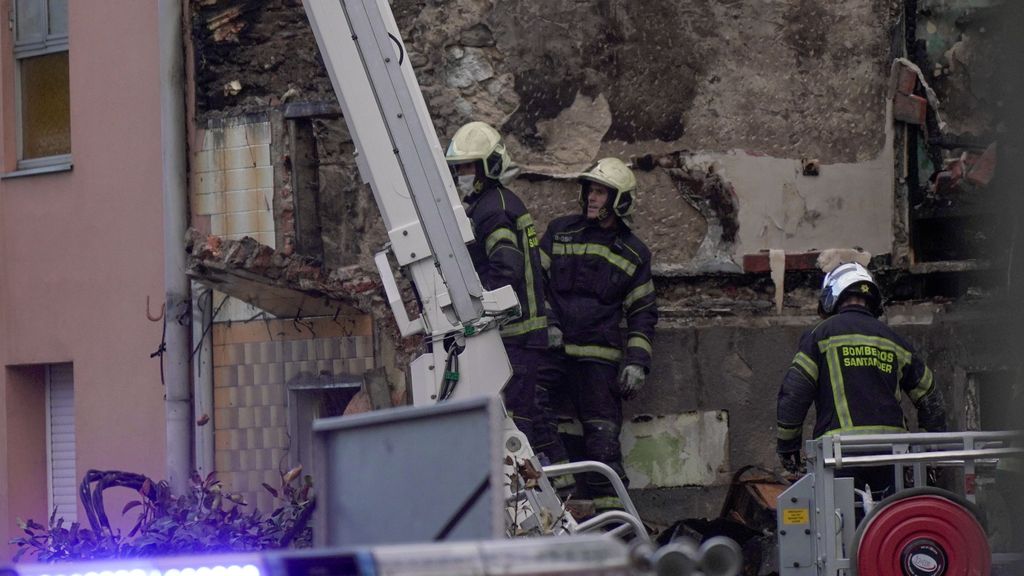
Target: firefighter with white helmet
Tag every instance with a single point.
(854, 369)
(599, 274)
(506, 252)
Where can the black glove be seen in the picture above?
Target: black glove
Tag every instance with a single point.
(791, 461)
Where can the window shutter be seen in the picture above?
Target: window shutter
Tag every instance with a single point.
(63, 480)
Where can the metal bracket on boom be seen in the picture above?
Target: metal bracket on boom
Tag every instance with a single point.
(406, 326)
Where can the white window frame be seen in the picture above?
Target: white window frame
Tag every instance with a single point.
(69, 516)
(43, 44)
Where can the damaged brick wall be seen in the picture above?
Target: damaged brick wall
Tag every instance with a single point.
(793, 80)
(964, 96)
(752, 126)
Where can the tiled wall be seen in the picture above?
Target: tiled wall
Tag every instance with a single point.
(255, 363)
(233, 189)
(233, 179)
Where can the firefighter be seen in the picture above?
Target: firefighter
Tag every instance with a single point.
(598, 273)
(506, 252)
(854, 369)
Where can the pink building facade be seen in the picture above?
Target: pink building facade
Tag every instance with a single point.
(81, 251)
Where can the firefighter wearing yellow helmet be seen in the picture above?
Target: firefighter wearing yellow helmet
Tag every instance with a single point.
(618, 179)
(505, 252)
(476, 155)
(599, 275)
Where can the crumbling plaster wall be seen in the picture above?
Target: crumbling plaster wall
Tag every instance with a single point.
(743, 90)
(737, 367)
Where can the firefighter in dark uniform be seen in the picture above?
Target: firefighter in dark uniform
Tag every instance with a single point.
(506, 252)
(854, 369)
(599, 274)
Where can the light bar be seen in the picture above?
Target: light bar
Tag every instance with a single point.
(236, 565)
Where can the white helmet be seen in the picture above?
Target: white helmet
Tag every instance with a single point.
(617, 176)
(479, 142)
(846, 280)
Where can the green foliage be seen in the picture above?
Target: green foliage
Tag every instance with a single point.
(206, 519)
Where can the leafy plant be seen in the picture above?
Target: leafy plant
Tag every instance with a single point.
(205, 519)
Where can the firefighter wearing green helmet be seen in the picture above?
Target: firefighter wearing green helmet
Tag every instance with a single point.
(506, 252)
(599, 275)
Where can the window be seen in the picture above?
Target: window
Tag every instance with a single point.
(42, 90)
(60, 442)
(322, 397)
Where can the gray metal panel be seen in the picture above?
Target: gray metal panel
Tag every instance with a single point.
(844, 504)
(797, 532)
(402, 475)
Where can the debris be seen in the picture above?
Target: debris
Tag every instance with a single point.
(830, 259)
(811, 167)
(933, 100)
(969, 171)
(232, 88)
(984, 168)
(289, 94)
(906, 80)
(226, 25)
(909, 108)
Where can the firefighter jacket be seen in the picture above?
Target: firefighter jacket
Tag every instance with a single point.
(855, 369)
(596, 277)
(506, 252)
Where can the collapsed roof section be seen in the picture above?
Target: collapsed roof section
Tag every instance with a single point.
(283, 285)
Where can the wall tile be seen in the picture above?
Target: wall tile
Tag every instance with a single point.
(206, 204)
(224, 418)
(225, 397)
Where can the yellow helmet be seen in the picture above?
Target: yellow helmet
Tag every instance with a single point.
(614, 174)
(478, 141)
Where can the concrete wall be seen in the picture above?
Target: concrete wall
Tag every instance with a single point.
(80, 253)
(737, 368)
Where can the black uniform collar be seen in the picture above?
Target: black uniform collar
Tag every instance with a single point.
(856, 308)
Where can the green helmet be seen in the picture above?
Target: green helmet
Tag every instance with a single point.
(614, 174)
(479, 142)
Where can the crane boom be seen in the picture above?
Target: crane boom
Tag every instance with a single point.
(400, 157)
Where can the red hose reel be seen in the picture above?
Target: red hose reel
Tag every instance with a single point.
(924, 532)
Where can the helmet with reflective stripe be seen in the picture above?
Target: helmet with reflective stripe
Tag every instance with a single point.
(479, 142)
(614, 174)
(846, 280)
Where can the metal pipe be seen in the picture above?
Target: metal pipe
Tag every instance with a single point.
(177, 405)
(872, 460)
(602, 469)
(606, 518)
(924, 438)
(202, 376)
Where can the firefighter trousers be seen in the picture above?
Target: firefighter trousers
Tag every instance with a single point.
(589, 391)
(519, 395)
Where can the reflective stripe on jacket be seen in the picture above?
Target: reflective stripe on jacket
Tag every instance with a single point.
(855, 370)
(597, 277)
(506, 252)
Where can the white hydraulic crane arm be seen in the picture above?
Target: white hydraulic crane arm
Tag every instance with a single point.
(399, 156)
